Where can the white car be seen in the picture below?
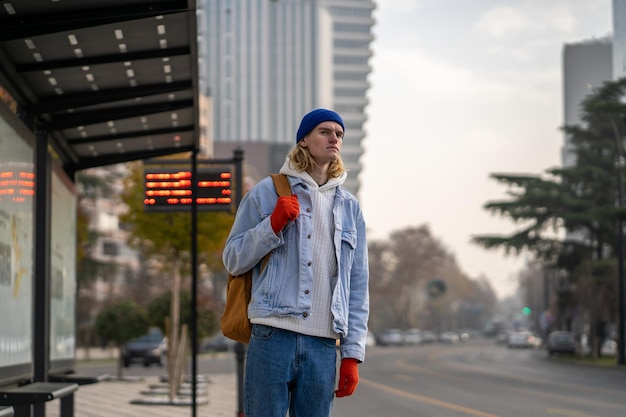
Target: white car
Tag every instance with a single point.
(371, 340)
(449, 337)
(413, 337)
(523, 340)
(391, 337)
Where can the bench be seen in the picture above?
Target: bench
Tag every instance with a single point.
(78, 379)
(6, 411)
(23, 397)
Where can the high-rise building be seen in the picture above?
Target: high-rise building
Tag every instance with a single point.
(265, 63)
(619, 38)
(586, 65)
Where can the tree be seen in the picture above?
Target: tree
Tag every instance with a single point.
(120, 322)
(165, 239)
(577, 201)
(400, 270)
(159, 310)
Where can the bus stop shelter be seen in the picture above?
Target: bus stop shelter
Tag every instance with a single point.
(82, 84)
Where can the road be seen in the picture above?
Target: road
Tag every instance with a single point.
(477, 378)
(481, 379)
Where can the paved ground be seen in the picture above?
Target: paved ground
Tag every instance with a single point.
(114, 399)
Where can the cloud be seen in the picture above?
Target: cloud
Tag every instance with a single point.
(528, 20)
(452, 103)
(422, 75)
(401, 6)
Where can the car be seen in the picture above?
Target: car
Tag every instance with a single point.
(148, 349)
(391, 337)
(608, 348)
(370, 341)
(523, 339)
(449, 338)
(218, 343)
(413, 337)
(561, 341)
(428, 336)
(502, 338)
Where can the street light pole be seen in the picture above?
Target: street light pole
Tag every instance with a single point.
(620, 246)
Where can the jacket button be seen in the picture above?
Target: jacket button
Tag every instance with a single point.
(305, 314)
(308, 236)
(308, 209)
(308, 263)
(306, 291)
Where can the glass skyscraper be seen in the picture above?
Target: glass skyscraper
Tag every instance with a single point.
(265, 63)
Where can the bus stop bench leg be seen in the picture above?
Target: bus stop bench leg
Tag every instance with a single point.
(23, 397)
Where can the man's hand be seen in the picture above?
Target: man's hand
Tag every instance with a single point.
(348, 377)
(287, 209)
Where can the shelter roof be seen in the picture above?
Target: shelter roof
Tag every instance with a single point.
(109, 80)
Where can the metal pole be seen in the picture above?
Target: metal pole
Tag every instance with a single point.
(238, 161)
(194, 282)
(240, 348)
(620, 247)
(240, 356)
(41, 291)
(620, 282)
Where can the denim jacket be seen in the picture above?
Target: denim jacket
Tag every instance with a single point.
(282, 287)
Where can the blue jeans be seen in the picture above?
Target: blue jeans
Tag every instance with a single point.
(289, 371)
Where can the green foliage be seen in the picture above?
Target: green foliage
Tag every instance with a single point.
(582, 202)
(121, 321)
(160, 308)
(578, 198)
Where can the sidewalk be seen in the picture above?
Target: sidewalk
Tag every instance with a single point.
(113, 398)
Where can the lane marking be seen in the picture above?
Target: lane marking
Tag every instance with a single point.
(404, 378)
(564, 412)
(549, 395)
(427, 400)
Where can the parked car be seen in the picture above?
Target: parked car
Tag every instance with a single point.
(370, 340)
(561, 342)
(450, 338)
(609, 348)
(413, 337)
(428, 336)
(523, 339)
(148, 349)
(502, 338)
(391, 337)
(218, 343)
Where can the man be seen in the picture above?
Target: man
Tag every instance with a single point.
(314, 289)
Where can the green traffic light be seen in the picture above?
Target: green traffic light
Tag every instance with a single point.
(526, 311)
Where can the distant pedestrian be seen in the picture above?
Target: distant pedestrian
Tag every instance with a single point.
(314, 291)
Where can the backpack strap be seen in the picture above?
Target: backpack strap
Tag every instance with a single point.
(281, 183)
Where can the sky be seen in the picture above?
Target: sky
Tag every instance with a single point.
(461, 90)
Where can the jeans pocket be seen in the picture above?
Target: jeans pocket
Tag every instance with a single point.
(262, 332)
(328, 342)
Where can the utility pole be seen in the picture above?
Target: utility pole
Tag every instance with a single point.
(620, 244)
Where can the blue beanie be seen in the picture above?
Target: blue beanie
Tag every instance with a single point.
(315, 117)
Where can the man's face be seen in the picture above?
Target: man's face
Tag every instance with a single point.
(324, 142)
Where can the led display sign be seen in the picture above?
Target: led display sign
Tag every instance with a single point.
(171, 190)
(17, 186)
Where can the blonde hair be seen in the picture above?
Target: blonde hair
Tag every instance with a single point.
(301, 160)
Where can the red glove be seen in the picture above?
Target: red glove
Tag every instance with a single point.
(348, 377)
(287, 209)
